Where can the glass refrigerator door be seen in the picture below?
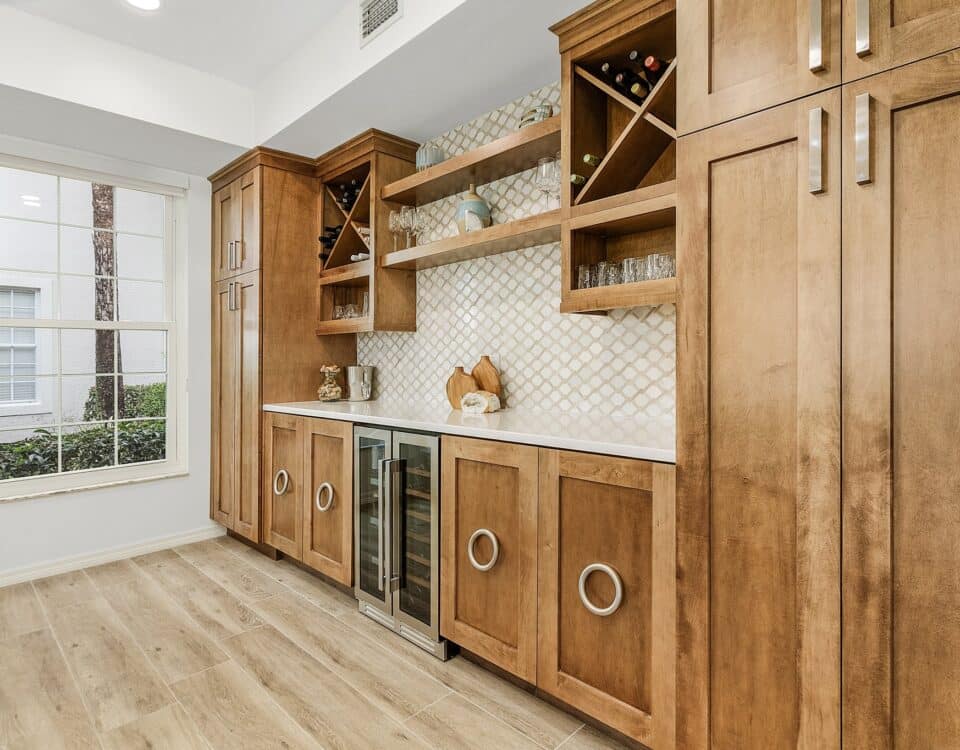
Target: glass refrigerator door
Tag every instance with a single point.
(416, 531)
(371, 461)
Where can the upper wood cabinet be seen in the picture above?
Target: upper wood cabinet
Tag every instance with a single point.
(901, 408)
(607, 640)
(283, 489)
(236, 226)
(882, 34)
(758, 397)
(739, 56)
(328, 498)
(489, 551)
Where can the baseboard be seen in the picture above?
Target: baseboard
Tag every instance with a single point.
(66, 564)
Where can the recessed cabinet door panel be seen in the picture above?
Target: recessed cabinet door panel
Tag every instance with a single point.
(226, 229)
(248, 245)
(283, 482)
(247, 291)
(225, 393)
(758, 424)
(489, 605)
(901, 365)
(328, 498)
(879, 35)
(607, 591)
(740, 56)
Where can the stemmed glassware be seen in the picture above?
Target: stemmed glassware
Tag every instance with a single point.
(395, 227)
(547, 179)
(411, 222)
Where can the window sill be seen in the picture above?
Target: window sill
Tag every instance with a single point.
(95, 479)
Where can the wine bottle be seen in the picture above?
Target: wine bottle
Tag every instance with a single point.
(634, 57)
(334, 230)
(653, 68)
(577, 179)
(591, 159)
(625, 79)
(607, 70)
(640, 88)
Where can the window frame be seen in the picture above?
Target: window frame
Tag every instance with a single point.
(175, 291)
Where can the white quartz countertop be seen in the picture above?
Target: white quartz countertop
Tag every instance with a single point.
(614, 436)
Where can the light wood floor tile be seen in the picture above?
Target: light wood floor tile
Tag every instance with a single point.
(589, 738)
(383, 678)
(334, 714)
(20, 611)
(116, 680)
(543, 723)
(177, 646)
(243, 581)
(39, 703)
(170, 727)
(456, 724)
(325, 596)
(234, 713)
(64, 589)
(112, 573)
(219, 613)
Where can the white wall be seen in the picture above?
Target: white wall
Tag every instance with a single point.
(64, 531)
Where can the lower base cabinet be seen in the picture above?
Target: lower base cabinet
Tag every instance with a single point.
(308, 492)
(559, 568)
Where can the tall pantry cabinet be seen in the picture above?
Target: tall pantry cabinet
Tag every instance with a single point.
(264, 348)
(818, 505)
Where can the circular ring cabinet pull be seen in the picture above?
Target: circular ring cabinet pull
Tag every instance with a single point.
(278, 488)
(617, 584)
(326, 486)
(496, 549)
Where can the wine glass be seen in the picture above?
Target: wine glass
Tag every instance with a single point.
(411, 220)
(395, 227)
(547, 178)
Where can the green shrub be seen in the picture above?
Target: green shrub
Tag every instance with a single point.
(139, 401)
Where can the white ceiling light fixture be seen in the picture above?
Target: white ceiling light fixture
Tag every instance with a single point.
(145, 4)
(31, 200)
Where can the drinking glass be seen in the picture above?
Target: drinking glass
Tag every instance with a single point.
(339, 312)
(586, 277)
(411, 221)
(395, 227)
(613, 274)
(350, 311)
(650, 266)
(632, 270)
(547, 178)
(364, 304)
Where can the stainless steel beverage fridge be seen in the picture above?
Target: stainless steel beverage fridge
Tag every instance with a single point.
(397, 528)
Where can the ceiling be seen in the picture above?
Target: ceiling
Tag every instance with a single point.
(239, 40)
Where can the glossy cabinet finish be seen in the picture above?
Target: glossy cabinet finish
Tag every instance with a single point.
(607, 591)
(283, 485)
(737, 56)
(901, 407)
(489, 551)
(758, 512)
(236, 226)
(328, 498)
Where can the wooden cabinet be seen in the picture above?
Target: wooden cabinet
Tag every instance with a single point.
(879, 35)
(901, 408)
(608, 591)
(235, 457)
(758, 511)
(738, 57)
(236, 226)
(328, 498)
(489, 551)
(283, 487)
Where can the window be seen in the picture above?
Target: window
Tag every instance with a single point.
(88, 371)
(18, 347)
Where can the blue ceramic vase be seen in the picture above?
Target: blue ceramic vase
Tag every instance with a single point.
(473, 213)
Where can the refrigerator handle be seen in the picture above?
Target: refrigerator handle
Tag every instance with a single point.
(397, 467)
(381, 483)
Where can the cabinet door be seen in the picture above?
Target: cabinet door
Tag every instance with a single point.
(283, 482)
(740, 56)
(901, 409)
(248, 240)
(758, 368)
(879, 35)
(328, 498)
(489, 551)
(224, 407)
(608, 591)
(226, 229)
(247, 291)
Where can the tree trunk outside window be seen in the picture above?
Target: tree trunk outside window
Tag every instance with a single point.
(105, 300)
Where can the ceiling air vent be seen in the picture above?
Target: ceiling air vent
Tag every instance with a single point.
(377, 15)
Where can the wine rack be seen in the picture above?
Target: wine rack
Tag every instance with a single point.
(623, 204)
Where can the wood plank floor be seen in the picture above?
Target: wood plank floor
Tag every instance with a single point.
(213, 645)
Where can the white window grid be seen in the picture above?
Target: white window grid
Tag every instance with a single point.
(58, 325)
(18, 382)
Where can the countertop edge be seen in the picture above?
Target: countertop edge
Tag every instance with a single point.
(622, 450)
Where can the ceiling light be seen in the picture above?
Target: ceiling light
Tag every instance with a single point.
(31, 200)
(145, 4)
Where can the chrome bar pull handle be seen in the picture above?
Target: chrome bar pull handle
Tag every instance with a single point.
(281, 482)
(237, 253)
(815, 179)
(861, 138)
(494, 556)
(396, 568)
(230, 296)
(381, 480)
(863, 27)
(230, 254)
(328, 488)
(816, 36)
(617, 586)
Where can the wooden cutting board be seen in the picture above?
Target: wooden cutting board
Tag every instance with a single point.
(459, 384)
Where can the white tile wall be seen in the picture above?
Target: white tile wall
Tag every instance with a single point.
(622, 364)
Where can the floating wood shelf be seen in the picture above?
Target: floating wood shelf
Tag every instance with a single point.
(505, 156)
(640, 216)
(500, 238)
(344, 325)
(354, 274)
(637, 294)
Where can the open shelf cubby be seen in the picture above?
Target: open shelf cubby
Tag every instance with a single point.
(625, 205)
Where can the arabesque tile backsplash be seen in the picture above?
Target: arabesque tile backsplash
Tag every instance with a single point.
(622, 364)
